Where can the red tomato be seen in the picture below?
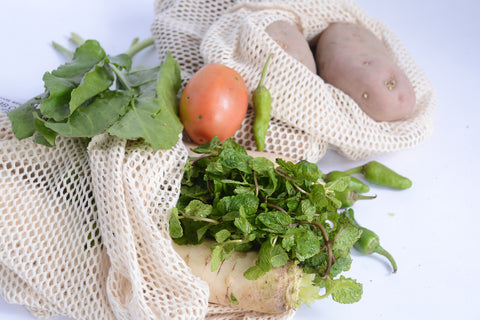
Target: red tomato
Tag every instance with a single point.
(213, 103)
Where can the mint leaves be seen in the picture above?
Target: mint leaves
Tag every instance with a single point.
(96, 93)
(284, 211)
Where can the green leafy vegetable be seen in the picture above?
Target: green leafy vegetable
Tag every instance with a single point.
(233, 299)
(283, 210)
(96, 93)
(343, 290)
(175, 228)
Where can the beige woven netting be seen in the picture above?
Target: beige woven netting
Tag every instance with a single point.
(308, 115)
(84, 231)
(84, 226)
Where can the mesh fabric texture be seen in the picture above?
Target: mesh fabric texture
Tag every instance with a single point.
(84, 231)
(308, 115)
(84, 226)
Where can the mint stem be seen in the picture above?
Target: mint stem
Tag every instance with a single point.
(283, 174)
(256, 183)
(198, 218)
(328, 244)
(271, 205)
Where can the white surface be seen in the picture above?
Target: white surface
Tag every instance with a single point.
(431, 228)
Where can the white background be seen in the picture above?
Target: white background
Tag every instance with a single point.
(432, 229)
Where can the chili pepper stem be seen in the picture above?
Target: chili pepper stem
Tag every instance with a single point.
(369, 242)
(355, 170)
(387, 255)
(264, 71)
(364, 197)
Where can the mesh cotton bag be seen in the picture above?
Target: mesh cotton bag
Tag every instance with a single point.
(84, 226)
(308, 115)
(84, 231)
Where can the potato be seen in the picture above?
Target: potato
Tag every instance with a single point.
(354, 60)
(293, 42)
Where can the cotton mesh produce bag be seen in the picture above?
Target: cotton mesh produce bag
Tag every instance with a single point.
(84, 225)
(308, 115)
(84, 231)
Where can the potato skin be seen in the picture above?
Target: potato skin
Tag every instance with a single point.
(354, 60)
(290, 39)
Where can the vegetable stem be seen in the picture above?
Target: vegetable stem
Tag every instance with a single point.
(355, 170)
(62, 49)
(256, 183)
(264, 71)
(120, 76)
(76, 39)
(198, 218)
(134, 41)
(369, 242)
(365, 197)
(276, 207)
(200, 158)
(327, 243)
(387, 255)
(284, 175)
(137, 46)
(237, 241)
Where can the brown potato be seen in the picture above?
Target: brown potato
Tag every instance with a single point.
(354, 60)
(293, 42)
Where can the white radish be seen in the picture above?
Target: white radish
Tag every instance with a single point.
(279, 290)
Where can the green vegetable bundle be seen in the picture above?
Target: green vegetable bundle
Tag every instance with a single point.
(96, 93)
(285, 211)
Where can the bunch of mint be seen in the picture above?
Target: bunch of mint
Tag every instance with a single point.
(96, 93)
(286, 212)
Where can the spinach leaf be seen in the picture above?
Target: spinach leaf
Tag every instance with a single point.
(96, 93)
(94, 118)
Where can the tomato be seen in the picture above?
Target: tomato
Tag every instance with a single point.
(213, 103)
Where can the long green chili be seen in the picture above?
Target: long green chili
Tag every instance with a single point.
(380, 174)
(369, 242)
(262, 102)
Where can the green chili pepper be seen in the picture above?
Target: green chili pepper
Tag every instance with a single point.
(262, 102)
(355, 184)
(349, 197)
(369, 242)
(380, 174)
